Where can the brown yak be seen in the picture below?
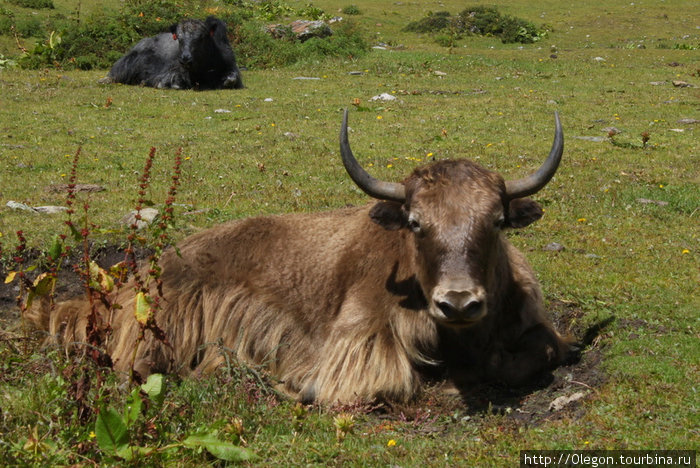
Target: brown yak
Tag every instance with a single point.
(358, 303)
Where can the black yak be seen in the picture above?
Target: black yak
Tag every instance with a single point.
(193, 54)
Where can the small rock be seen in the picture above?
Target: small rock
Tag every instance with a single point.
(439, 73)
(50, 209)
(147, 217)
(688, 121)
(57, 188)
(19, 206)
(564, 400)
(593, 256)
(306, 78)
(657, 83)
(647, 201)
(383, 97)
(677, 130)
(291, 136)
(611, 130)
(195, 212)
(599, 59)
(222, 111)
(356, 73)
(681, 84)
(554, 247)
(591, 138)
(268, 99)
(305, 29)
(377, 47)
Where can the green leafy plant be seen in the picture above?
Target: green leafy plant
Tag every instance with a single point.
(117, 431)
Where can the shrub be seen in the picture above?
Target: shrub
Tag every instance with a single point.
(481, 20)
(351, 10)
(488, 21)
(434, 22)
(6, 23)
(33, 3)
(311, 12)
(29, 27)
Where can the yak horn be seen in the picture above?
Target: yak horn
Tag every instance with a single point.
(373, 187)
(534, 182)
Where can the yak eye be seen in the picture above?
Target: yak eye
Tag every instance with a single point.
(413, 224)
(500, 222)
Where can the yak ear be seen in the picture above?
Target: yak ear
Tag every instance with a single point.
(523, 212)
(389, 215)
(212, 24)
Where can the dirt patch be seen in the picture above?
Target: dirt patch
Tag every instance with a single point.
(525, 405)
(69, 283)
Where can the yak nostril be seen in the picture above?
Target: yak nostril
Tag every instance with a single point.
(473, 308)
(447, 309)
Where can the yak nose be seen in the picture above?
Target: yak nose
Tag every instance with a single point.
(186, 59)
(461, 305)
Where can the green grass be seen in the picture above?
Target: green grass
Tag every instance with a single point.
(636, 262)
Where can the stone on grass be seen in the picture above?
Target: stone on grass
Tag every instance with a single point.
(147, 217)
(383, 97)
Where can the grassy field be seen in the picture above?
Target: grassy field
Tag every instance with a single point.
(626, 212)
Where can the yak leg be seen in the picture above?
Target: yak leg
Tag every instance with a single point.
(538, 349)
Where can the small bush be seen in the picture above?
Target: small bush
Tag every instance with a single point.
(29, 27)
(311, 12)
(488, 21)
(434, 22)
(480, 20)
(351, 10)
(445, 40)
(87, 62)
(33, 3)
(5, 24)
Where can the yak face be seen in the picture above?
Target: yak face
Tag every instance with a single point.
(456, 211)
(194, 39)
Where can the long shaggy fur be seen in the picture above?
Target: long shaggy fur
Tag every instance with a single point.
(331, 304)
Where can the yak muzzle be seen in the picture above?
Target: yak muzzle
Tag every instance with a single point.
(185, 60)
(459, 307)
